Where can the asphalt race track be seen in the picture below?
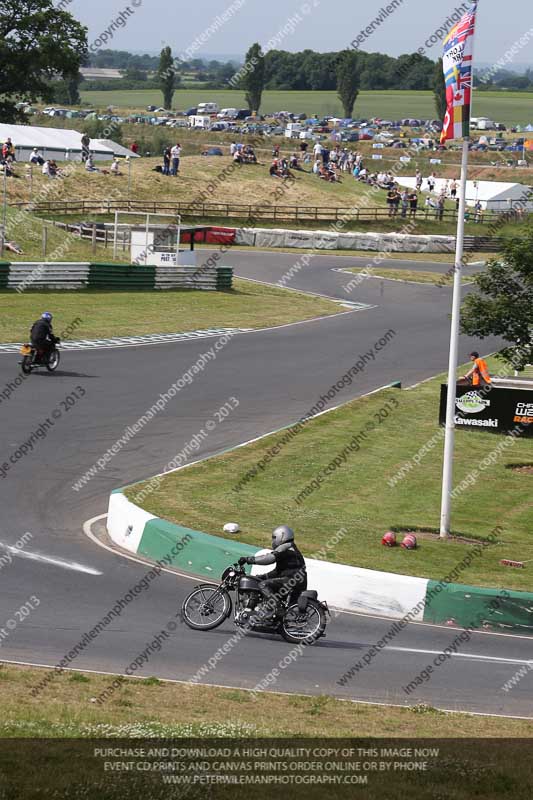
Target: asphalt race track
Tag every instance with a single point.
(277, 375)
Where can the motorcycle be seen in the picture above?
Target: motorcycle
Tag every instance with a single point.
(304, 616)
(32, 358)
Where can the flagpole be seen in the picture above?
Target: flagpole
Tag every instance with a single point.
(447, 471)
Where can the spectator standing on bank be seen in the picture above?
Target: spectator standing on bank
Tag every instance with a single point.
(405, 202)
(85, 145)
(418, 180)
(413, 203)
(166, 161)
(175, 156)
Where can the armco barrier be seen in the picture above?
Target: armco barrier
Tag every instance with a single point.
(349, 588)
(28, 275)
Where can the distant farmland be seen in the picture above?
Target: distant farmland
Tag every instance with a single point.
(506, 107)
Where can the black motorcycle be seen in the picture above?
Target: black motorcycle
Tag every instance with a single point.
(32, 358)
(303, 619)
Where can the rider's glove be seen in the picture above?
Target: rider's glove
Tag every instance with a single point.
(242, 560)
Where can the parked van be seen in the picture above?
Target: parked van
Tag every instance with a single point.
(199, 121)
(228, 113)
(207, 108)
(292, 130)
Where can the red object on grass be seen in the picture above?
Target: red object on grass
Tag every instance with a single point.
(507, 562)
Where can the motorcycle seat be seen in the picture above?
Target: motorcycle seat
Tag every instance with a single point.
(308, 594)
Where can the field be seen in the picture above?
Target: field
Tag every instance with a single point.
(231, 487)
(506, 107)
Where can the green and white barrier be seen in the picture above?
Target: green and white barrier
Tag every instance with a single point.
(28, 275)
(349, 588)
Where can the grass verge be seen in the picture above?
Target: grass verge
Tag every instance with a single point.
(367, 494)
(127, 313)
(151, 707)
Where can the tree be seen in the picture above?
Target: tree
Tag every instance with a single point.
(67, 91)
(503, 304)
(348, 66)
(253, 79)
(38, 43)
(166, 75)
(439, 90)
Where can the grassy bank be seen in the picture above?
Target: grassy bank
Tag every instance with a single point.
(154, 708)
(128, 313)
(367, 494)
(44, 752)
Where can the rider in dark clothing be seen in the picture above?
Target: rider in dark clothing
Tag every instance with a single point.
(42, 335)
(289, 576)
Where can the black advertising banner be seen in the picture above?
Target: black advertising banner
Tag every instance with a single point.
(266, 769)
(491, 408)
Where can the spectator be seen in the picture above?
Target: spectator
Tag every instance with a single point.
(115, 167)
(453, 189)
(8, 149)
(85, 145)
(175, 155)
(405, 202)
(478, 212)
(89, 164)
(391, 198)
(166, 161)
(53, 171)
(303, 148)
(431, 183)
(36, 158)
(317, 150)
(413, 203)
(46, 168)
(418, 180)
(232, 148)
(134, 147)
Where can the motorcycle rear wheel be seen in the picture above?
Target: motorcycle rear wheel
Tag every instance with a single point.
(303, 627)
(206, 607)
(26, 365)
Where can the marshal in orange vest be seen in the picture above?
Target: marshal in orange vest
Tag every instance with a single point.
(480, 371)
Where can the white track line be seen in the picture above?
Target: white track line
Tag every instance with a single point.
(55, 562)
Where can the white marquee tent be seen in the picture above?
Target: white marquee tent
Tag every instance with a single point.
(493, 195)
(57, 143)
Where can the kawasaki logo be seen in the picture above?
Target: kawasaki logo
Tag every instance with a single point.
(471, 403)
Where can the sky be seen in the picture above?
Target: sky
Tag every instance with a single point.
(148, 25)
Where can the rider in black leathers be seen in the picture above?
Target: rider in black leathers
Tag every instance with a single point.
(288, 578)
(42, 336)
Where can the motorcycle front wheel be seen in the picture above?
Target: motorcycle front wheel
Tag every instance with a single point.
(206, 607)
(26, 365)
(53, 361)
(303, 626)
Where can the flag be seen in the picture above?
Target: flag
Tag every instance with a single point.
(457, 67)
